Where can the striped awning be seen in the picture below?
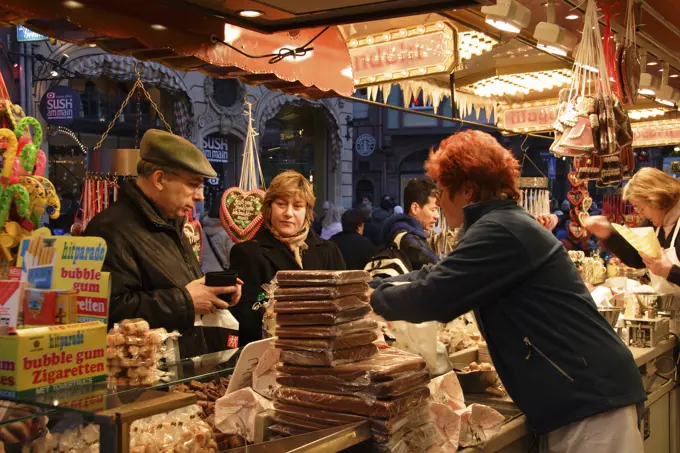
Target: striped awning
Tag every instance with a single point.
(153, 74)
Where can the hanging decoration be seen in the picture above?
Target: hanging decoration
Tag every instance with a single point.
(241, 207)
(592, 126)
(434, 94)
(620, 212)
(534, 193)
(100, 189)
(194, 232)
(629, 68)
(581, 202)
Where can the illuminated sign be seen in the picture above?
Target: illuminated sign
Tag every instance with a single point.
(404, 53)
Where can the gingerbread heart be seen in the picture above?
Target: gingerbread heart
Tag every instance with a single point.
(587, 204)
(576, 230)
(553, 220)
(574, 180)
(573, 214)
(241, 213)
(582, 217)
(576, 197)
(193, 231)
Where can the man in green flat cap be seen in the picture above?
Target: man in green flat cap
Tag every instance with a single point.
(155, 274)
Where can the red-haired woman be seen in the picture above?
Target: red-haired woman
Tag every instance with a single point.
(559, 359)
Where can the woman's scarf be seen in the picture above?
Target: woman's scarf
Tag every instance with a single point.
(296, 243)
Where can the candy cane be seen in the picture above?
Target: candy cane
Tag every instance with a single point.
(30, 151)
(10, 152)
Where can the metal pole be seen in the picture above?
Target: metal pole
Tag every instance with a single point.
(22, 76)
(28, 106)
(452, 86)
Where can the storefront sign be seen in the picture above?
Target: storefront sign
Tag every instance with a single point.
(656, 133)
(403, 53)
(528, 118)
(60, 105)
(26, 35)
(216, 148)
(365, 145)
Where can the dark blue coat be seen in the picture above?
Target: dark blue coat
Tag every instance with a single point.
(557, 356)
(414, 243)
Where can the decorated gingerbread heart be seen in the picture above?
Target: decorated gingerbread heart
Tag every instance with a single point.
(241, 213)
(576, 230)
(552, 222)
(574, 180)
(193, 231)
(587, 204)
(576, 197)
(582, 217)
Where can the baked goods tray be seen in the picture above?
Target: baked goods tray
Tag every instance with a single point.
(323, 441)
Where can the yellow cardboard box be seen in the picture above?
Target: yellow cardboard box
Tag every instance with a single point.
(69, 264)
(51, 358)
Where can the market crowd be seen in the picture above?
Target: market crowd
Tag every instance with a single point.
(559, 359)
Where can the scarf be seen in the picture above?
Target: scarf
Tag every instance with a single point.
(671, 219)
(296, 243)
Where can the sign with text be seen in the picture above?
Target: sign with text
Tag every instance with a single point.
(400, 54)
(656, 133)
(69, 264)
(60, 106)
(26, 35)
(216, 148)
(528, 119)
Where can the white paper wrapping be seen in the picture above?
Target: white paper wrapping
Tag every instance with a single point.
(235, 413)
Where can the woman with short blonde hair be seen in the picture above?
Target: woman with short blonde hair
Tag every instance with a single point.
(656, 198)
(285, 242)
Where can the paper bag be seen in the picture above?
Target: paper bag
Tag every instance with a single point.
(642, 239)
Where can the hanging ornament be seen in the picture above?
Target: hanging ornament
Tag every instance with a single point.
(241, 207)
(193, 231)
(643, 155)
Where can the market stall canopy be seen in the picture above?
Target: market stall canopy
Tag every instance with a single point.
(190, 40)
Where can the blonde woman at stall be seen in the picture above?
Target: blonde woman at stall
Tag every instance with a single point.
(559, 359)
(656, 197)
(285, 242)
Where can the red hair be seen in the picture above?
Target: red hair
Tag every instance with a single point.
(475, 160)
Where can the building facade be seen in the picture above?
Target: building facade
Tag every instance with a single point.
(293, 133)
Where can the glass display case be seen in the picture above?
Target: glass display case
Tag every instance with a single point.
(114, 410)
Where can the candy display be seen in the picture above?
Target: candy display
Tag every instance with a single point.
(133, 353)
(334, 374)
(180, 431)
(25, 193)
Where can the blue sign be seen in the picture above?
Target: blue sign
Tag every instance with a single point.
(60, 105)
(26, 35)
(551, 167)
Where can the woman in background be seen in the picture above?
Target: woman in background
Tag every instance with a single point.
(332, 222)
(284, 243)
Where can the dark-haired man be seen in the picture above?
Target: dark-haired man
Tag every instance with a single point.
(356, 249)
(409, 230)
(155, 274)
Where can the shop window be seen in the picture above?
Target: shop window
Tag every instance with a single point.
(297, 139)
(225, 92)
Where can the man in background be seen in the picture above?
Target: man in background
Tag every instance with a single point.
(410, 231)
(355, 248)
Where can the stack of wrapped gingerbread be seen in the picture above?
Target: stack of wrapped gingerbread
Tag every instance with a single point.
(133, 353)
(331, 371)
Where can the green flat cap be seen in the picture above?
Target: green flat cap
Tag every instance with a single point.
(163, 148)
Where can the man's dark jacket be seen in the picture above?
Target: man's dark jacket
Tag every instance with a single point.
(559, 359)
(151, 262)
(414, 243)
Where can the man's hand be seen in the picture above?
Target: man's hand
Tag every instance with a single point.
(205, 297)
(658, 266)
(599, 226)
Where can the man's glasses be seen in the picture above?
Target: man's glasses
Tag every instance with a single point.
(192, 185)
